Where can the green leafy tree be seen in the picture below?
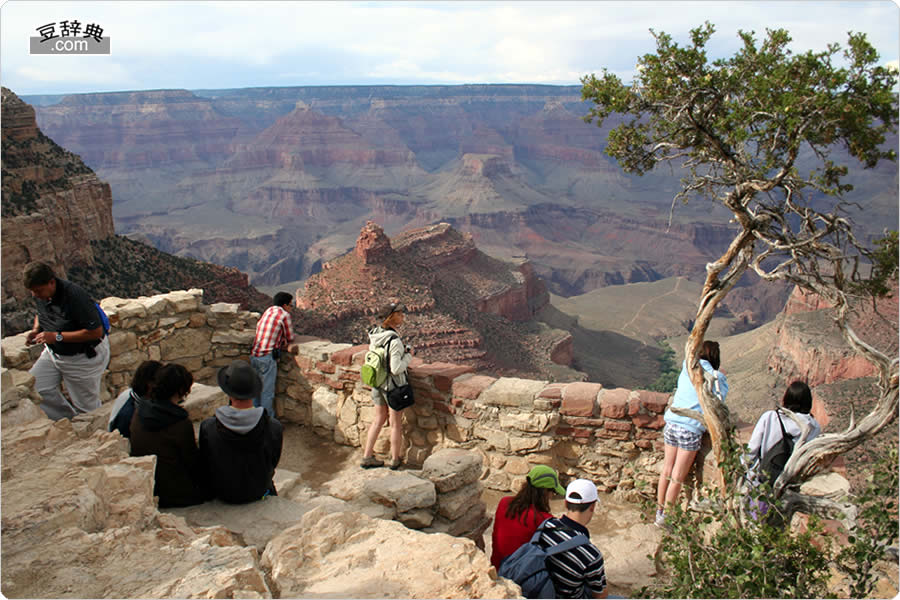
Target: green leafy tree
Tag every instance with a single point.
(739, 129)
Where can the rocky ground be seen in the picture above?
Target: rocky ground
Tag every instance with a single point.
(619, 529)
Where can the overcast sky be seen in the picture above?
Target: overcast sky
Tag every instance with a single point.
(202, 45)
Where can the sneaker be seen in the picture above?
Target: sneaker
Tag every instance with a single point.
(660, 519)
(370, 462)
(395, 464)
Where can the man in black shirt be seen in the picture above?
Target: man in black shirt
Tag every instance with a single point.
(76, 349)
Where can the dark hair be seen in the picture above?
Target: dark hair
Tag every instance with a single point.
(797, 397)
(528, 496)
(171, 380)
(37, 273)
(710, 352)
(143, 377)
(282, 298)
(581, 507)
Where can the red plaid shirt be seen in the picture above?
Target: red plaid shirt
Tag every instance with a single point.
(272, 331)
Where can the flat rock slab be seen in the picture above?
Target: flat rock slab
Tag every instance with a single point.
(257, 522)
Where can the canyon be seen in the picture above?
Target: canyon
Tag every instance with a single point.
(70, 485)
(276, 181)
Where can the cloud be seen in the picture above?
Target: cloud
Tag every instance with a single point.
(190, 45)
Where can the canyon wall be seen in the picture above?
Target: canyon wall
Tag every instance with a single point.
(810, 347)
(53, 205)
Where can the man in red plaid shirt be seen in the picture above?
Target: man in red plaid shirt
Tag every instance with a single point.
(273, 332)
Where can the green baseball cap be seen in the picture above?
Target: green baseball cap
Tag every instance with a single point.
(543, 476)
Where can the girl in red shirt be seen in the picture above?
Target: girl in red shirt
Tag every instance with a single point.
(518, 517)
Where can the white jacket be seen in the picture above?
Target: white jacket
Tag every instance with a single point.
(399, 357)
(767, 433)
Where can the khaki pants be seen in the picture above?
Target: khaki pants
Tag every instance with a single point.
(82, 378)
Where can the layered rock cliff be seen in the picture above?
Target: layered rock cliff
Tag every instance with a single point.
(309, 165)
(462, 305)
(810, 347)
(56, 209)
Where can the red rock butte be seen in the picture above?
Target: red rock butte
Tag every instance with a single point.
(462, 306)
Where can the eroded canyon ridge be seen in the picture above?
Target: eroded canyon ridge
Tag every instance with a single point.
(463, 306)
(56, 209)
(276, 181)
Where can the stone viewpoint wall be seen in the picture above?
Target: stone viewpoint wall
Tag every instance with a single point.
(612, 436)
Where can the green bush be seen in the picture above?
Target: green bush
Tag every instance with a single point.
(709, 551)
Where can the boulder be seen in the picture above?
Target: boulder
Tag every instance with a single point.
(348, 555)
(452, 468)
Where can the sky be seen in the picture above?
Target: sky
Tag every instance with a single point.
(208, 45)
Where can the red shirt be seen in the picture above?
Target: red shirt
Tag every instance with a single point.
(272, 331)
(509, 534)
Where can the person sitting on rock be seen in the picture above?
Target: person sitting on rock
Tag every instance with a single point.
(161, 426)
(579, 572)
(400, 356)
(241, 444)
(518, 517)
(768, 432)
(123, 406)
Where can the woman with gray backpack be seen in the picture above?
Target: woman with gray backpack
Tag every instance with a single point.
(385, 370)
(774, 437)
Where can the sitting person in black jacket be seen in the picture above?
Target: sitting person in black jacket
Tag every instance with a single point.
(141, 386)
(241, 445)
(162, 427)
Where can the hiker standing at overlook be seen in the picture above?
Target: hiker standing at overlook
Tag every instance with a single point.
(682, 435)
(385, 335)
(273, 332)
(76, 348)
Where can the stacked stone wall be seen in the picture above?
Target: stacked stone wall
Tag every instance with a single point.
(612, 436)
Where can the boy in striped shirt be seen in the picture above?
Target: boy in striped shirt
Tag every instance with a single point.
(579, 572)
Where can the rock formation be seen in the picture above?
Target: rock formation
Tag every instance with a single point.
(462, 306)
(53, 205)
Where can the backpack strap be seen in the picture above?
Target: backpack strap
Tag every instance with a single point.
(780, 422)
(579, 539)
(387, 350)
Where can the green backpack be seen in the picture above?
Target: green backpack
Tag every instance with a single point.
(375, 365)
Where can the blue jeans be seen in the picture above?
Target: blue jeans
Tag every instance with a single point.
(267, 369)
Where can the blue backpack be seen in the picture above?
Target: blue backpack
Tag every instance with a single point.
(103, 319)
(527, 566)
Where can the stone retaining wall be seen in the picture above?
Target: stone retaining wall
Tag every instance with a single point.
(612, 436)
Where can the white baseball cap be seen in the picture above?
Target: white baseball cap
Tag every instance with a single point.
(581, 491)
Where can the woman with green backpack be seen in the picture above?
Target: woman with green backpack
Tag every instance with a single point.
(386, 378)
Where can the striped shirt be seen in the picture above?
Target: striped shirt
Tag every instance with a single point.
(579, 572)
(272, 331)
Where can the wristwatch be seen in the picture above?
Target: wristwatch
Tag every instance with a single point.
(59, 337)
